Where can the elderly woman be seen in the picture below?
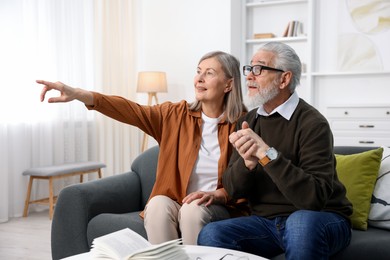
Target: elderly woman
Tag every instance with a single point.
(194, 146)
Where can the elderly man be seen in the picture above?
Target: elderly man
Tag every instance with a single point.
(284, 165)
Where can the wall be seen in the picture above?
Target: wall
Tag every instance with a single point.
(349, 76)
(174, 34)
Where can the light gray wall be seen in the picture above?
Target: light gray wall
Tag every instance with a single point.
(174, 34)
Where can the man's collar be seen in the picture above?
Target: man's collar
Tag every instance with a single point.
(285, 110)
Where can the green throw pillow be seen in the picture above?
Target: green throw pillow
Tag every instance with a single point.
(358, 173)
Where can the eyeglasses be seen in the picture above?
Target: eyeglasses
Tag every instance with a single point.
(257, 69)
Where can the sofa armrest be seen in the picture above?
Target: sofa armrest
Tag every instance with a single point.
(79, 203)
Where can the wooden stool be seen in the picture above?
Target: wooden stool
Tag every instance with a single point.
(56, 172)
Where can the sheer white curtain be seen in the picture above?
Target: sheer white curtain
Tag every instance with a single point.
(69, 41)
(116, 75)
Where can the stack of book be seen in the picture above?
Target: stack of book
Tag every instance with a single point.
(294, 28)
(263, 35)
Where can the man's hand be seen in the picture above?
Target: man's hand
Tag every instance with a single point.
(249, 145)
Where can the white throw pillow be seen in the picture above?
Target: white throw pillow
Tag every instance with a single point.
(380, 203)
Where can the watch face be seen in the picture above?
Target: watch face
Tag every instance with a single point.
(272, 153)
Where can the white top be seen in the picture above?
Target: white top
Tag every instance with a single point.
(204, 176)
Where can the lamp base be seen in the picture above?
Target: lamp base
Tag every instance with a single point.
(151, 95)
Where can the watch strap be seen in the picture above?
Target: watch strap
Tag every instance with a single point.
(264, 161)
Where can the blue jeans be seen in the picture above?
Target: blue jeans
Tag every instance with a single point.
(303, 235)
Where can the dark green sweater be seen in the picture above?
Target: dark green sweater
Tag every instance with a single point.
(304, 174)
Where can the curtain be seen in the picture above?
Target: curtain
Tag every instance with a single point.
(116, 75)
(85, 44)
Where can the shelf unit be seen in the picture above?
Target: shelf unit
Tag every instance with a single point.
(259, 17)
(277, 39)
(324, 83)
(347, 74)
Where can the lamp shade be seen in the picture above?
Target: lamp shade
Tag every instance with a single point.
(152, 81)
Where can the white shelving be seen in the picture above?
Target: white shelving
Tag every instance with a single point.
(333, 75)
(347, 74)
(278, 39)
(259, 17)
(272, 2)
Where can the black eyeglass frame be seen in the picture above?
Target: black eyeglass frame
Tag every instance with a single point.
(262, 67)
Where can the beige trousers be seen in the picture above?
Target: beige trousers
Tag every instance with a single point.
(165, 219)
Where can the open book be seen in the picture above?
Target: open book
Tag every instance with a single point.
(127, 244)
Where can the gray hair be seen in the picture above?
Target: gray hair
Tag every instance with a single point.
(233, 102)
(285, 59)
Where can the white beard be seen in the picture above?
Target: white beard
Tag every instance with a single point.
(252, 102)
(261, 97)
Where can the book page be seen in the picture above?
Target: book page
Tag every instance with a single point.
(161, 250)
(119, 244)
(127, 244)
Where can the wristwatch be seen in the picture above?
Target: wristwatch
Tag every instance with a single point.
(270, 155)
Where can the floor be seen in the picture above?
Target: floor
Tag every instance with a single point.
(26, 238)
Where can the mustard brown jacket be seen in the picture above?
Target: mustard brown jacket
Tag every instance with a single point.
(177, 130)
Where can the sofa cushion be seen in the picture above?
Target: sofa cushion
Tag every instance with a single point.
(380, 203)
(106, 223)
(358, 173)
(369, 244)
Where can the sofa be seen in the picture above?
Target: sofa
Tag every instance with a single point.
(88, 210)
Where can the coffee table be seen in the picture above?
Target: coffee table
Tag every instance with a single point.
(197, 253)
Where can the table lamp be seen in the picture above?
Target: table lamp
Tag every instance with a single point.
(151, 82)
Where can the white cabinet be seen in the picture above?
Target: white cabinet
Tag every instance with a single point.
(360, 126)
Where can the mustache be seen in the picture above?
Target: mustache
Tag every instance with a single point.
(252, 83)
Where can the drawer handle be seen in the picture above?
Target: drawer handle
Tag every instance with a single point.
(366, 126)
(366, 142)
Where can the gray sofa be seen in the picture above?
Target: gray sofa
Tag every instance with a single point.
(88, 210)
